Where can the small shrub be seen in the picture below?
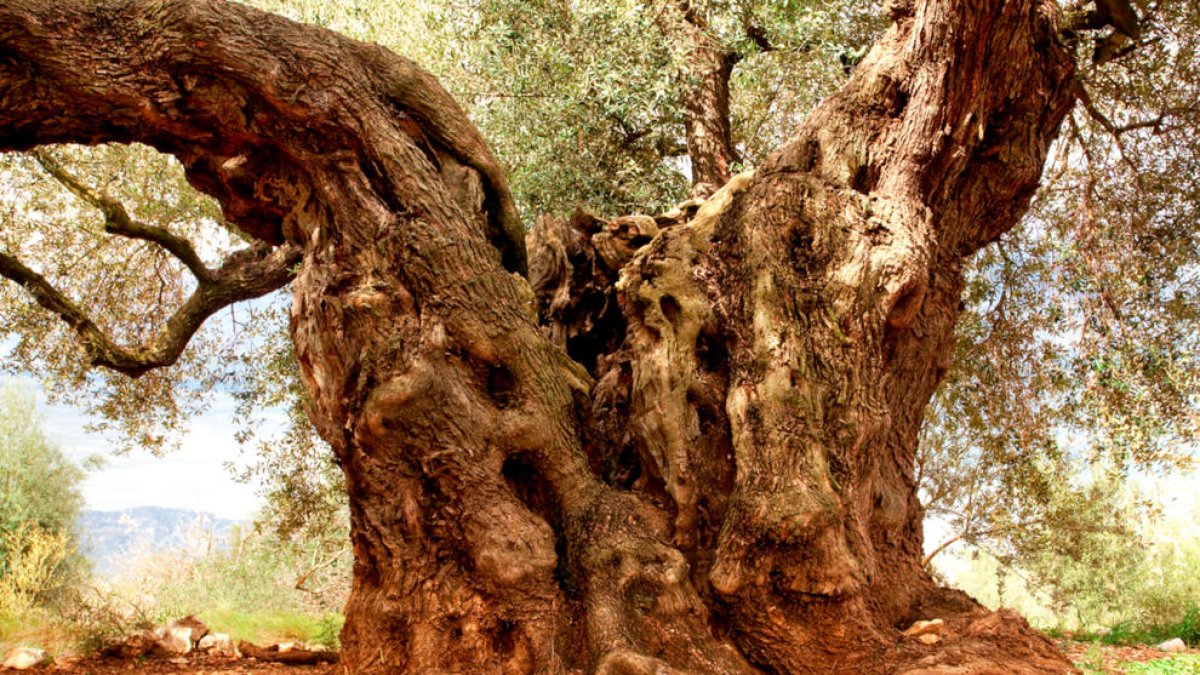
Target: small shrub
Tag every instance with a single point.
(1132, 632)
(330, 631)
(1188, 628)
(33, 558)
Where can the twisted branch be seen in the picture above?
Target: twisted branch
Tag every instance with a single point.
(246, 274)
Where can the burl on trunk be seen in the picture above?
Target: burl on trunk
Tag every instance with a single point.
(688, 445)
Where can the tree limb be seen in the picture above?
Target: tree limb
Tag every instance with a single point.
(967, 534)
(249, 273)
(1085, 99)
(758, 36)
(118, 221)
(705, 87)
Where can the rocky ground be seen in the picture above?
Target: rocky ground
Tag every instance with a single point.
(1094, 658)
(193, 665)
(182, 646)
(1114, 660)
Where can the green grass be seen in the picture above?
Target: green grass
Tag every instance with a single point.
(1093, 661)
(271, 627)
(38, 628)
(1184, 664)
(1130, 633)
(35, 628)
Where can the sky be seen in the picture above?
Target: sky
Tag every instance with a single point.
(193, 477)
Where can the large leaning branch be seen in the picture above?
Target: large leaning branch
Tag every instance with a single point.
(247, 274)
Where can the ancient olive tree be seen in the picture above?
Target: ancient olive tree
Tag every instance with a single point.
(687, 442)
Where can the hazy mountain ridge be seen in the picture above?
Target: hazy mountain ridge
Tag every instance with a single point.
(112, 540)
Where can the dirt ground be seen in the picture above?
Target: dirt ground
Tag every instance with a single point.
(192, 665)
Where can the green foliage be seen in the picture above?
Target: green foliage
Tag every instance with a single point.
(38, 483)
(1093, 662)
(32, 560)
(1184, 664)
(1187, 628)
(39, 503)
(582, 101)
(128, 286)
(1142, 590)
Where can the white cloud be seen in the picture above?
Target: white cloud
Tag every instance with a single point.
(193, 477)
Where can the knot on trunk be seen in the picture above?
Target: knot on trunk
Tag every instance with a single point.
(791, 539)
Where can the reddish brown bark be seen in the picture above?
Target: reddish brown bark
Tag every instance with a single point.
(707, 465)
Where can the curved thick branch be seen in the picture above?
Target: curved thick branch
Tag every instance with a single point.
(185, 55)
(118, 221)
(247, 274)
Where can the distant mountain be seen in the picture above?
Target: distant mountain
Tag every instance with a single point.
(113, 540)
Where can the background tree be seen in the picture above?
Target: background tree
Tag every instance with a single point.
(39, 501)
(823, 455)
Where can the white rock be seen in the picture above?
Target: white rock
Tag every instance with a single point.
(176, 640)
(24, 658)
(207, 642)
(929, 638)
(286, 647)
(217, 643)
(935, 627)
(1172, 645)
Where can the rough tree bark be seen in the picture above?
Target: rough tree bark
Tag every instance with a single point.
(704, 81)
(702, 459)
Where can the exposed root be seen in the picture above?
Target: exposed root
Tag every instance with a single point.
(983, 643)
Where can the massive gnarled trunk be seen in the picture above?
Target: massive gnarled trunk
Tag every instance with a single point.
(701, 458)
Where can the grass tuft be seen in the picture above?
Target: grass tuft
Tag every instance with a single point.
(272, 627)
(1184, 664)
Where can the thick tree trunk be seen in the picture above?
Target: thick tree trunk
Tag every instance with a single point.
(720, 477)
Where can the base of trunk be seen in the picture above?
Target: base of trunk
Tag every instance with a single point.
(960, 638)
